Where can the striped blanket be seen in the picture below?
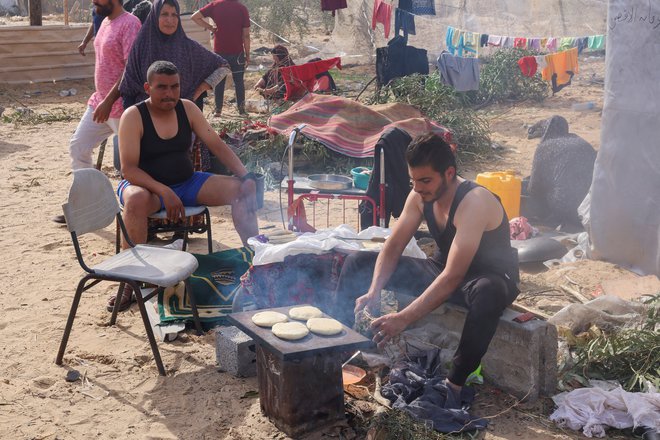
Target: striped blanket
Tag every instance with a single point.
(348, 127)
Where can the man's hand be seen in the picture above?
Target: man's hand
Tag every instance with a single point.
(102, 112)
(81, 48)
(175, 210)
(247, 59)
(369, 301)
(248, 192)
(212, 28)
(387, 327)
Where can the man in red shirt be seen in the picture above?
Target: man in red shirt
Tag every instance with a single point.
(231, 40)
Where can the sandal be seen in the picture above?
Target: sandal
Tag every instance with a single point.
(126, 300)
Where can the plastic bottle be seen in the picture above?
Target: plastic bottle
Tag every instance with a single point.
(583, 106)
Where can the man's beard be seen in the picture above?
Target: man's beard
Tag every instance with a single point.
(104, 10)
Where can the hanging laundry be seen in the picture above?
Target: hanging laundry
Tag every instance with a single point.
(423, 7)
(596, 42)
(404, 19)
(566, 43)
(471, 42)
(484, 40)
(520, 42)
(552, 44)
(561, 68)
(582, 44)
(507, 42)
(460, 73)
(544, 42)
(382, 14)
(398, 59)
(495, 40)
(527, 66)
(301, 79)
(458, 41)
(333, 5)
(534, 43)
(540, 62)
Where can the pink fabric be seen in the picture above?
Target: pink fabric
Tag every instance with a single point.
(382, 14)
(520, 42)
(112, 45)
(520, 229)
(300, 80)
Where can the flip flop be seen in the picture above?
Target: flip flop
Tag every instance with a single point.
(127, 299)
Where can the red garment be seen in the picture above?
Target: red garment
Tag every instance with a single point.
(331, 5)
(300, 80)
(527, 66)
(230, 16)
(382, 14)
(520, 42)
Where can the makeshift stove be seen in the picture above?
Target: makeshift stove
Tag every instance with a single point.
(300, 382)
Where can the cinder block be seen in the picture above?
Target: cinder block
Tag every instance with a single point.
(235, 352)
(521, 358)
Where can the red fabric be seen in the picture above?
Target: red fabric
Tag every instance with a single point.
(382, 14)
(299, 80)
(520, 42)
(230, 16)
(527, 66)
(331, 5)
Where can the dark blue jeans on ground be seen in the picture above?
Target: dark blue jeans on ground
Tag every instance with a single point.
(485, 295)
(237, 64)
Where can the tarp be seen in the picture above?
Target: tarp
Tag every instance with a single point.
(348, 127)
(625, 192)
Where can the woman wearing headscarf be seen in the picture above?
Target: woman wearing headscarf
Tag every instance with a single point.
(271, 85)
(162, 38)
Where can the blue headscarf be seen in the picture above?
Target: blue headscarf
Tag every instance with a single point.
(194, 61)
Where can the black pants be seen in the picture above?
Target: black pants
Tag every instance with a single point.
(237, 64)
(485, 295)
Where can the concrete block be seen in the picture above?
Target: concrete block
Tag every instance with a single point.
(235, 352)
(521, 358)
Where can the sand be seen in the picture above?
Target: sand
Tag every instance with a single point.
(122, 395)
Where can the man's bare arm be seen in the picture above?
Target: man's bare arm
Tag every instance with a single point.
(102, 111)
(217, 146)
(198, 18)
(246, 44)
(88, 37)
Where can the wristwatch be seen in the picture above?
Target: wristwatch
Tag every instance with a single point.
(249, 176)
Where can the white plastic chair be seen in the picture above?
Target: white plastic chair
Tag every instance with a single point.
(92, 205)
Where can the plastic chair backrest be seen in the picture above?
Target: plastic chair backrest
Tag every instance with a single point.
(92, 204)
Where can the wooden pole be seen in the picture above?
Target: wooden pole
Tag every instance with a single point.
(66, 12)
(35, 12)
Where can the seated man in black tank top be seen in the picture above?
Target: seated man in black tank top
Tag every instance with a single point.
(475, 265)
(154, 142)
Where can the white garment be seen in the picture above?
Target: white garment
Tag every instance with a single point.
(540, 62)
(89, 135)
(595, 409)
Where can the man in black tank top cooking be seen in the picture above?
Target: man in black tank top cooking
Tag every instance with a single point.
(475, 265)
(154, 142)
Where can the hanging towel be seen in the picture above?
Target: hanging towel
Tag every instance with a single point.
(300, 80)
(566, 43)
(596, 42)
(460, 73)
(527, 66)
(534, 43)
(495, 40)
(544, 42)
(404, 19)
(449, 39)
(582, 43)
(552, 44)
(520, 42)
(423, 7)
(561, 68)
(540, 62)
(507, 42)
(484, 40)
(382, 14)
(471, 42)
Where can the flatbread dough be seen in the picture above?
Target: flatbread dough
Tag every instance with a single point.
(304, 313)
(325, 326)
(290, 330)
(269, 318)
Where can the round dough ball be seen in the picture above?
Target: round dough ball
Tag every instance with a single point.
(304, 313)
(325, 326)
(290, 330)
(268, 319)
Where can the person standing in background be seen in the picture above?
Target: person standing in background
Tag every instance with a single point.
(231, 40)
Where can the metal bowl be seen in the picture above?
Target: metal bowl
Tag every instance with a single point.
(330, 181)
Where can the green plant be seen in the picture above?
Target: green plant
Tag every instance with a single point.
(282, 17)
(27, 116)
(501, 79)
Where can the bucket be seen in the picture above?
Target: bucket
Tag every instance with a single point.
(361, 176)
(506, 186)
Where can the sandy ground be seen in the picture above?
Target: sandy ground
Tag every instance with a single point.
(124, 397)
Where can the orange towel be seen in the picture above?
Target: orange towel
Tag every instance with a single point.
(562, 64)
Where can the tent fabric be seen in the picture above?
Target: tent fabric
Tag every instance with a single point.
(625, 191)
(348, 127)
